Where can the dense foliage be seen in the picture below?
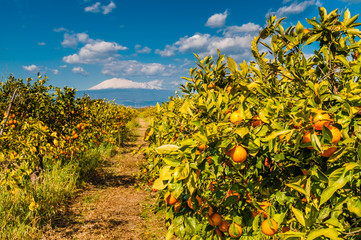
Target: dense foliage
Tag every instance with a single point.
(269, 148)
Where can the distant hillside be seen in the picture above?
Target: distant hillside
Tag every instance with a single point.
(130, 97)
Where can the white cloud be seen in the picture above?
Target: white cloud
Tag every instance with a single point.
(109, 8)
(116, 83)
(63, 66)
(72, 40)
(245, 28)
(95, 52)
(139, 49)
(61, 29)
(168, 51)
(41, 43)
(135, 68)
(80, 70)
(95, 8)
(31, 68)
(55, 71)
(205, 44)
(217, 20)
(294, 8)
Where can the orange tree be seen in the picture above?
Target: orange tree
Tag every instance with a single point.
(48, 125)
(269, 148)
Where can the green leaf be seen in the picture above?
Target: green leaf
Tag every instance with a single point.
(313, 38)
(354, 206)
(297, 188)
(346, 16)
(166, 149)
(299, 216)
(243, 131)
(171, 161)
(232, 65)
(337, 178)
(190, 225)
(299, 28)
(170, 233)
(327, 194)
(166, 173)
(159, 184)
(327, 134)
(277, 133)
(181, 172)
(327, 232)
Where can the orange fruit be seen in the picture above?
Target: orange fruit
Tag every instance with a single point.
(336, 134)
(209, 160)
(233, 193)
(238, 154)
(170, 200)
(201, 147)
(256, 121)
(210, 209)
(211, 85)
(189, 202)
(307, 139)
(321, 119)
(236, 117)
(237, 228)
(224, 226)
(306, 31)
(229, 89)
(177, 206)
(328, 152)
(215, 219)
(267, 229)
(267, 162)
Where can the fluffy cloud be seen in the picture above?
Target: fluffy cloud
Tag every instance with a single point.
(93, 8)
(80, 70)
(108, 8)
(116, 83)
(31, 68)
(72, 40)
(95, 52)
(135, 68)
(139, 49)
(41, 43)
(245, 28)
(217, 20)
(205, 44)
(55, 71)
(96, 7)
(294, 8)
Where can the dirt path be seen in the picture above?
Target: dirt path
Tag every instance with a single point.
(110, 207)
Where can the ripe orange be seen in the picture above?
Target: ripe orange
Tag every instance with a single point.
(177, 206)
(229, 89)
(321, 119)
(307, 138)
(256, 121)
(336, 134)
(224, 226)
(233, 193)
(328, 152)
(236, 117)
(238, 229)
(267, 162)
(267, 229)
(201, 147)
(238, 154)
(215, 219)
(211, 85)
(189, 202)
(170, 200)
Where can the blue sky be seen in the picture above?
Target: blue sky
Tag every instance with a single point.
(94, 44)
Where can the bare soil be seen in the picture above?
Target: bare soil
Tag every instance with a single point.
(110, 207)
